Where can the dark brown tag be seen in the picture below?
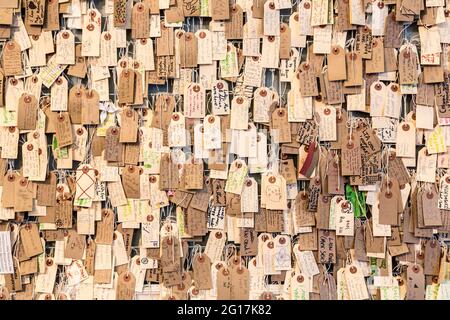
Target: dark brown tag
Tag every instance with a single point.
(327, 246)
(35, 12)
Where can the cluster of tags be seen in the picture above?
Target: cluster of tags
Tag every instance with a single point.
(216, 149)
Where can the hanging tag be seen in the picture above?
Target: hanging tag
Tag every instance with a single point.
(126, 286)
(205, 49)
(120, 13)
(307, 80)
(140, 21)
(239, 113)
(130, 181)
(353, 62)
(188, 50)
(90, 46)
(30, 160)
(271, 18)
(65, 47)
(236, 177)
(345, 220)
(426, 166)
(126, 86)
(202, 271)
(262, 101)
(336, 64)
(351, 156)
(327, 246)
(144, 53)
(59, 95)
(108, 50)
(415, 282)
(51, 20)
(12, 59)
(30, 240)
(229, 64)
(355, 283)
(275, 192)
(212, 137)
(34, 12)
(220, 10)
(407, 62)
(128, 126)
(406, 140)
(389, 201)
(177, 131)
(233, 27)
(27, 112)
(90, 107)
(63, 130)
(105, 228)
(280, 128)
(220, 98)
(253, 71)
(444, 193)
(194, 101)
(327, 128)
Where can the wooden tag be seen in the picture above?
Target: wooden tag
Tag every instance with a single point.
(233, 27)
(126, 86)
(188, 50)
(140, 21)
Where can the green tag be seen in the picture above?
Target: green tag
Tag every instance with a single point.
(358, 200)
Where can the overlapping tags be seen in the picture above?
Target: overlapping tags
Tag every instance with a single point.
(215, 149)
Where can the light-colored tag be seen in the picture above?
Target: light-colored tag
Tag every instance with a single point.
(65, 47)
(90, 47)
